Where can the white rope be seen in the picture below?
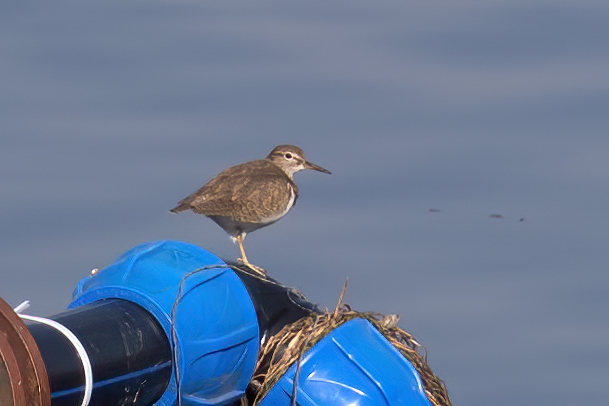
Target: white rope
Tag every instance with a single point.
(80, 349)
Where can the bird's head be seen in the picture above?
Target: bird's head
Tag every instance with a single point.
(291, 159)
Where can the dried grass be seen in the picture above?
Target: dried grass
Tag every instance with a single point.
(286, 347)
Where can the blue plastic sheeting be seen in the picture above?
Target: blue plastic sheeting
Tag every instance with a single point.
(354, 365)
(215, 330)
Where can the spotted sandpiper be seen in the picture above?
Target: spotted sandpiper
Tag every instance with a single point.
(252, 195)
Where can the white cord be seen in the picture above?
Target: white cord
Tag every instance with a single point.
(80, 349)
(23, 306)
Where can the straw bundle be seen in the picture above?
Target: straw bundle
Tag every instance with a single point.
(286, 347)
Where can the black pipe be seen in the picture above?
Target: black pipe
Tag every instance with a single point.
(276, 305)
(129, 351)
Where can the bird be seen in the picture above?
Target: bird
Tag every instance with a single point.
(251, 195)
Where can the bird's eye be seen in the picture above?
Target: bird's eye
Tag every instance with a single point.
(288, 155)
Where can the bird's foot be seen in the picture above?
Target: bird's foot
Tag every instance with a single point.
(260, 271)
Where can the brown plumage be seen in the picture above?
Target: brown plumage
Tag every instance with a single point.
(255, 194)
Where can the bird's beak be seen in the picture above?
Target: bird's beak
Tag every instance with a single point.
(309, 165)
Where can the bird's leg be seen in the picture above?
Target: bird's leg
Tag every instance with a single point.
(257, 269)
(240, 238)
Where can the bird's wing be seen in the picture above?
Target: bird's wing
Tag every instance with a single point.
(237, 193)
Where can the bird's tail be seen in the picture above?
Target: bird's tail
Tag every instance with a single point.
(180, 207)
